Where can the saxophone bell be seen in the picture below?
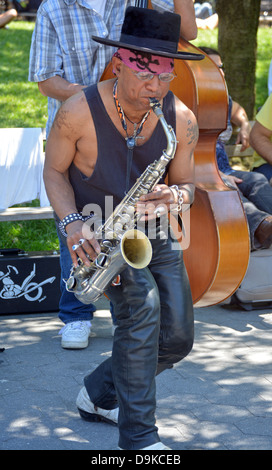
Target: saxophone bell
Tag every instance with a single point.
(134, 250)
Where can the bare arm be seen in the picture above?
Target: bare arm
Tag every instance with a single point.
(185, 8)
(7, 16)
(260, 140)
(60, 152)
(182, 168)
(61, 148)
(59, 88)
(239, 118)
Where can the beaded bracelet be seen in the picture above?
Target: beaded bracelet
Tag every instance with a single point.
(180, 197)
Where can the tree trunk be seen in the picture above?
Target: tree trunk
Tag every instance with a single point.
(237, 45)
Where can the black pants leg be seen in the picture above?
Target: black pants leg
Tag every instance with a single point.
(154, 314)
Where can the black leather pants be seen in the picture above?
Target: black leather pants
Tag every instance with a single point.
(155, 329)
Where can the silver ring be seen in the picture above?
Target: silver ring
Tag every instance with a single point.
(75, 247)
(81, 241)
(159, 211)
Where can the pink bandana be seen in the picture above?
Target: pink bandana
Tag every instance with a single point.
(144, 61)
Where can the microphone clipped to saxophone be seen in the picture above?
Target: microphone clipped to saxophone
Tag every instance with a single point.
(120, 242)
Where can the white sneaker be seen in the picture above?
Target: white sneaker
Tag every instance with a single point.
(75, 335)
(90, 412)
(113, 328)
(157, 446)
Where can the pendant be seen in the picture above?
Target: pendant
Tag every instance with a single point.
(130, 142)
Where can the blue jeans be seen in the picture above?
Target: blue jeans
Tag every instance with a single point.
(203, 10)
(256, 195)
(70, 308)
(265, 169)
(155, 329)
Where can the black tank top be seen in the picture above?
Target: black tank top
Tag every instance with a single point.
(109, 175)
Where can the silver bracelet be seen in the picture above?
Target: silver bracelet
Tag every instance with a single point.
(68, 220)
(180, 197)
(72, 218)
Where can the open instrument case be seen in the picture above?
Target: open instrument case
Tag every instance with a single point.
(29, 282)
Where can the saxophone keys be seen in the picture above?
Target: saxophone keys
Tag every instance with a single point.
(70, 283)
(110, 235)
(102, 261)
(128, 211)
(125, 219)
(106, 244)
(118, 227)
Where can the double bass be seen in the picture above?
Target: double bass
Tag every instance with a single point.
(217, 254)
(219, 247)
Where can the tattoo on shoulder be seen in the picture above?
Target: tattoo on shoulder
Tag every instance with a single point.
(61, 119)
(192, 133)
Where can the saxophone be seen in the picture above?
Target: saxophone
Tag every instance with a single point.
(121, 243)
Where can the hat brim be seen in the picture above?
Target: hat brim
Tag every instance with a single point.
(179, 55)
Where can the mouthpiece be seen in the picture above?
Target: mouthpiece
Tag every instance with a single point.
(153, 102)
(156, 107)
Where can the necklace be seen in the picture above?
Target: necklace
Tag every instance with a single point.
(131, 140)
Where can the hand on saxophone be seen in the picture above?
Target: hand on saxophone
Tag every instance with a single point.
(156, 203)
(79, 246)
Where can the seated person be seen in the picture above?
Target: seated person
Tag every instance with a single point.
(206, 17)
(26, 6)
(254, 189)
(261, 138)
(203, 10)
(7, 17)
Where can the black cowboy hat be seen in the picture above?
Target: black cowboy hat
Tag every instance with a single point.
(151, 31)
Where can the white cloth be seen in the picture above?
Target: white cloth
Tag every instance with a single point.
(21, 167)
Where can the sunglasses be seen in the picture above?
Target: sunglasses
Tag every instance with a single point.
(163, 77)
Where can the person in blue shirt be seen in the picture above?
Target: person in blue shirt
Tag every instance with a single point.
(64, 58)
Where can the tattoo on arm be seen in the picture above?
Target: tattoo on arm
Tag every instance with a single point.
(192, 133)
(61, 119)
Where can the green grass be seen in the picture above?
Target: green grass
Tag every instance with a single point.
(38, 235)
(206, 38)
(22, 105)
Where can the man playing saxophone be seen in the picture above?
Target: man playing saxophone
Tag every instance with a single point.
(102, 140)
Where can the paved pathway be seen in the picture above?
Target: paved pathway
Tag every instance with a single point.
(218, 398)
